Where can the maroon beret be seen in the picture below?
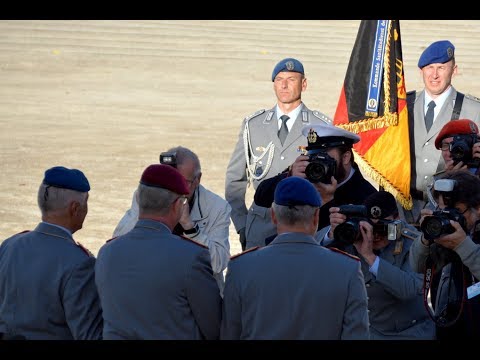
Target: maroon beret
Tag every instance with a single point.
(456, 127)
(166, 177)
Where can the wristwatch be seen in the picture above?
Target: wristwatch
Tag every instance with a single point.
(191, 231)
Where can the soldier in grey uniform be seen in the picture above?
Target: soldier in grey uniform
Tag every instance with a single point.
(154, 284)
(47, 287)
(437, 67)
(395, 302)
(260, 153)
(293, 288)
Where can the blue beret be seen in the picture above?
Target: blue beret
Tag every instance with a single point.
(166, 177)
(438, 52)
(288, 64)
(62, 177)
(295, 190)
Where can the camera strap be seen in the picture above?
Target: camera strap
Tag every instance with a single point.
(441, 319)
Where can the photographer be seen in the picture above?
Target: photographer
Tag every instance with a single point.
(453, 257)
(329, 164)
(460, 146)
(382, 242)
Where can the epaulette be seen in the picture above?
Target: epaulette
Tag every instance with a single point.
(471, 97)
(337, 250)
(256, 113)
(193, 241)
(111, 239)
(244, 252)
(23, 232)
(321, 116)
(411, 92)
(88, 252)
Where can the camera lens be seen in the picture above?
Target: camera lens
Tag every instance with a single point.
(432, 227)
(347, 232)
(315, 171)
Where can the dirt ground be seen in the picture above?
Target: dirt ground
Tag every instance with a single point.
(108, 96)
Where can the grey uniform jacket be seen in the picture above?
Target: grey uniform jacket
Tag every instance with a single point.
(47, 288)
(156, 285)
(429, 160)
(294, 289)
(212, 215)
(267, 158)
(395, 295)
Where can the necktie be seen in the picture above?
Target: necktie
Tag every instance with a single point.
(283, 132)
(429, 115)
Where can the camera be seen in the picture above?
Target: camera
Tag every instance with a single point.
(438, 224)
(461, 150)
(321, 167)
(168, 159)
(349, 231)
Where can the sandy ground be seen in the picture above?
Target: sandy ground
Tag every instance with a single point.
(108, 96)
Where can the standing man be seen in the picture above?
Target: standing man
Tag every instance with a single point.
(47, 286)
(154, 284)
(428, 111)
(294, 289)
(267, 143)
(206, 219)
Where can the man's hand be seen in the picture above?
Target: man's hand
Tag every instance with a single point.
(299, 166)
(336, 219)
(326, 191)
(451, 241)
(185, 219)
(364, 246)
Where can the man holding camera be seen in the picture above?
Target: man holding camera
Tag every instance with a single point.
(449, 255)
(267, 143)
(328, 164)
(206, 219)
(374, 232)
(428, 111)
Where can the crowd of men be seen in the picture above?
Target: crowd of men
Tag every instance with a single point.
(327, 256)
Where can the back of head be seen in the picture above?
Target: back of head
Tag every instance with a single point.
(159, 186)
(438, 52)
(183, 155)
(289, 65)
(60, 186)
(295, 201)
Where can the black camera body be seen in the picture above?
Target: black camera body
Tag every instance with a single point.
(321, 167)
(461, 150)
(349, 231)
(167, 158)
(438, 223)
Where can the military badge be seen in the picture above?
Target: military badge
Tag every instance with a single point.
(290, 65)
(312, 136)
(450, 52)
(376, 212)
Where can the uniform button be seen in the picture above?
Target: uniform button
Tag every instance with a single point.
(368, 311)
(425, 160)
(367, 285)
(414, 321)
(368, 298)
(282, 157)
(260, 162)
(426, 176)
(426, 143)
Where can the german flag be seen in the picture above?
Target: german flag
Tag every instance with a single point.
(373, 104)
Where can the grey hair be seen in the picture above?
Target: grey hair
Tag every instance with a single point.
(182, 154)
(51, 198)
(154, 199)
(294, 215)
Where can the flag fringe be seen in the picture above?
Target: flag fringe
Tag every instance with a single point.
(373, 174)
(389, 119)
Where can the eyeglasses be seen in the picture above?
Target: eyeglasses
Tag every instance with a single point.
(446, 146)
(184, 199)
(190, 182)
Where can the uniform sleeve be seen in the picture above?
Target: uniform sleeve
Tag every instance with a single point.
(81, 303)
(204, 296)
(236, 183)
(231, 328)
(355, 319)
(469, 253)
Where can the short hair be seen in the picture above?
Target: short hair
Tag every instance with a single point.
(467, 189)
(153, 199)
(51, 198)
(183, 153)
(294, 215)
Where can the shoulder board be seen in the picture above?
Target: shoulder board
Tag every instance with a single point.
(88, 252)
(256, 113)
(410, 233)
(321, 116)
(471, 97)
(111, 239)
(411, 92)
(344, 253)
(23, 232)
(193, 241)
(244, 252)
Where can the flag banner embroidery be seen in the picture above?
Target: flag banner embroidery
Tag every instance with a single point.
(373, 104)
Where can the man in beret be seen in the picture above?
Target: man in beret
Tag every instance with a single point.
(154, 284)
(47, 282)
(382, 242)
(328, 147)
(437, 67)
(267, 143)
(206, 219)
(294, 289)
